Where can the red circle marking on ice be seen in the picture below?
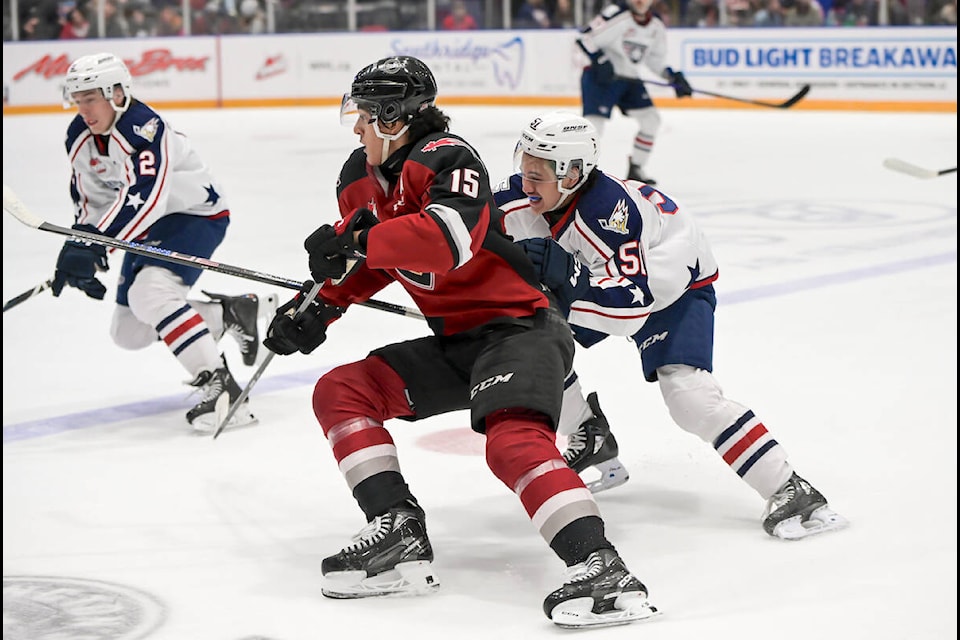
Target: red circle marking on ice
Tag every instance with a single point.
(462, 442)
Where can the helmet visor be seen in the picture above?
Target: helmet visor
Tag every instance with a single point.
(536, 168)
(348, 111)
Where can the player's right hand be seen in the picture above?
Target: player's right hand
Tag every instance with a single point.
(602, 69)
(77, 264)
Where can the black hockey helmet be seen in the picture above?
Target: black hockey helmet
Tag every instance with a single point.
(394, 88)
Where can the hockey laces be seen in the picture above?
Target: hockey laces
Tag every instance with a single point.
(235, 327)
(212, 389)
(781, 498)
(372, 533)
(587, 570)
(245, 339)
(576, 442)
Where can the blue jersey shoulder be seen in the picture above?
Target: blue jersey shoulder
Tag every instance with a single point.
(140, 125)
(509, 190)
(609, 210)
(76, 129)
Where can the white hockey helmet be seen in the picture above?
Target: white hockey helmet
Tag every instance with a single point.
(101, 71)
(566, 139)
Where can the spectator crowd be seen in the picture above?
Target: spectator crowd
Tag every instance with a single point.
(70, 19)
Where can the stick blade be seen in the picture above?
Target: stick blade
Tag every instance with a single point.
(800, 95)
(896, 164)
(15, 207)
(222, 413)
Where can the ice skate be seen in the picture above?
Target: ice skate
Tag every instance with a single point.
(593, 445)
(635, 173)
(240, 315)
(217, 385)
(390, 556)
(599, 592)
(797, 510)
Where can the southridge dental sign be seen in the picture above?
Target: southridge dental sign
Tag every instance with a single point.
(927, 52)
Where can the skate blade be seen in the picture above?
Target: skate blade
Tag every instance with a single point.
(208, 422)
(577, 613)
(821, 520)
(406, 579)
(612, 474)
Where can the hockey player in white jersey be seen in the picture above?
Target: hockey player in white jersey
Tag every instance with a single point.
(625, 259)
(136, 178)
(623, 37)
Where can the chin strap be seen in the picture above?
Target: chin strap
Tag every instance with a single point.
(388, 138)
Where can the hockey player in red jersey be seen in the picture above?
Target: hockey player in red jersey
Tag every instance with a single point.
(499, 348)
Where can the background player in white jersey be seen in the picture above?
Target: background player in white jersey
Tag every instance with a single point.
(618, 40)
(135, 178)
(625, 259)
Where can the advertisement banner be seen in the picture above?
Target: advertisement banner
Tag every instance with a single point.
(898, 64)
(902, 68)
(467, 64)
(164, 70)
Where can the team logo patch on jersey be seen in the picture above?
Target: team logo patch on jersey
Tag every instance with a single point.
(424, 280)
(443, 142)
(98, 166)
(617, 222)
(149, 130)
(634, 51)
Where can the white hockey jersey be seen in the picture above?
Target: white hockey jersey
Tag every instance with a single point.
(643, 250)
(627, 42)
(126, 180)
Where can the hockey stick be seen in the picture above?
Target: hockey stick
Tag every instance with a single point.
(222, 422)
(26, 295)
(917, 172)
(786, 104)
(16, 208)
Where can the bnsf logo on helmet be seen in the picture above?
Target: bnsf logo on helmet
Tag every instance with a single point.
(393, 65)
(574, 127)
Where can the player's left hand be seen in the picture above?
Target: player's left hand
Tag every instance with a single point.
(336, 251)
(554, 265)
(557, 269)
(289, 332)
(680, 84)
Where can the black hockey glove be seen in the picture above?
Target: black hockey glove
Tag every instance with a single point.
(334, 253)
(78, 263)
(679, 82)
(602, 68)
(289, 332)
(557, 269)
